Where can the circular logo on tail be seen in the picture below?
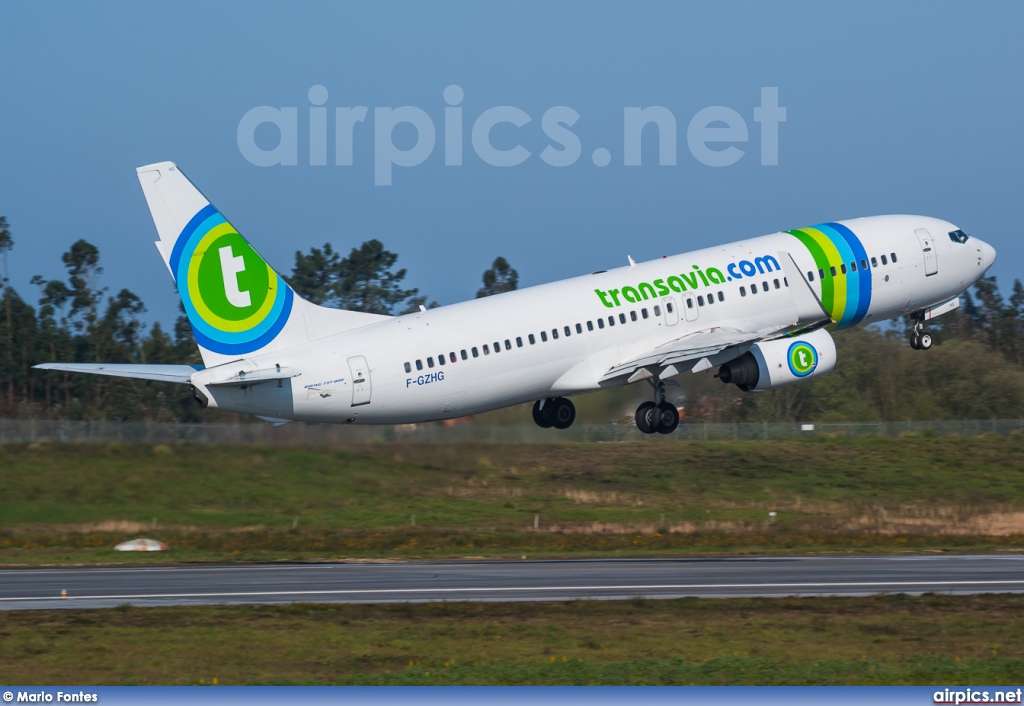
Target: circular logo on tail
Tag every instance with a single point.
(803, 359)
(235, 302)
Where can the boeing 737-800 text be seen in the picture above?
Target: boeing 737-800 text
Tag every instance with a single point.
(759, 310)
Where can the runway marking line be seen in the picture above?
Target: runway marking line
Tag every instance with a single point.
(492, 589)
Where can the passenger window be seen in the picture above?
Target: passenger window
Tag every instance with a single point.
(711, 298)
(476, 354)
(657, 310)
(452, 356)
(622, 318)
(874, 262)
(721, 297)
(743, 291)
(600, 323)
(893, 256)
(832, 270)
(611, 321)
(753, 289)
(884, 261)
(408, 368)
(554, 334)
(430, 362)
(544, 336)
(590, 325)
(568, 332)
(842, 268)
(487, 351)
(579, 328)
(463, 353)
(497, 347)
(441, 360)
(853, 266)
(777, 285)
(669, 307)
(519, 341)
(532, 340)
(863, 264)
(785, 281)
(643, 312)
(764, 286)
(700, 300)
(419, 365)
(821, 273)
(689, 302)
(508, 345)
(632, 316)
(810, 276)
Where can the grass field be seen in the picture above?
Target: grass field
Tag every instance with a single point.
(67, 503)
(883, 640)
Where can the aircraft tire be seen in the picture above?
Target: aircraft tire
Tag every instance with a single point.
(925, 341)
(541, 417)
(668, 418)
(646, 417)
(563, 413)
(914, 341)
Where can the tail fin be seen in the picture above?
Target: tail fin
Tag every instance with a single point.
(237, 305)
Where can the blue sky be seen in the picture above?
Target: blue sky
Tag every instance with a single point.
(891, 108)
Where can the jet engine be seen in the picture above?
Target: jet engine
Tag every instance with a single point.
(784, 361)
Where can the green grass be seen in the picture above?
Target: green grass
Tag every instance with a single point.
(70, 503)
(885, 640)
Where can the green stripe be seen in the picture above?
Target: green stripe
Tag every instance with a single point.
(821, 261)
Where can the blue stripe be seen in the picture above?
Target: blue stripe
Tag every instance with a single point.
(864, 301)
(182, 241)
(852, 281)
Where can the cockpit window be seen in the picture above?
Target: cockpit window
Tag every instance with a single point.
(958, 236)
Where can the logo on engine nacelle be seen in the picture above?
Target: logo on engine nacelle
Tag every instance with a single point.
(803, 359)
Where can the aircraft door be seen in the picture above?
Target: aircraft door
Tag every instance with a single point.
(931, 259)
(360, 380)
(671, 312)
(690, 309)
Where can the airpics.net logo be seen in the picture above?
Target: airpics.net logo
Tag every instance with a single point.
(716, 136)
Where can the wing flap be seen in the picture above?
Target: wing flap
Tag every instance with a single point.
(161, 373)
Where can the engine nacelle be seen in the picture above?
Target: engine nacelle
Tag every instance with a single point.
(781, 362)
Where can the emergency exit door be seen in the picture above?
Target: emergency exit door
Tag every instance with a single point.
(360, 380)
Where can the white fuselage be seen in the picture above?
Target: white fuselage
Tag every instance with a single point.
(491, 361)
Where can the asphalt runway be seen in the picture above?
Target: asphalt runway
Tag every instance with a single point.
(508, 581)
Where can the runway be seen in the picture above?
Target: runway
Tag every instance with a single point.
(508, 581)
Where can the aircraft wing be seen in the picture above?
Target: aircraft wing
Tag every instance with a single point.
(163, 373)
(692, 351)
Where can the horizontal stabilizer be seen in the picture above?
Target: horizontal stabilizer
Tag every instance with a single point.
(162, 373)
(248, 378)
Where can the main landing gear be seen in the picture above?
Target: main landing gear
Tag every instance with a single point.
(556, 412)
(659, 416)
(921, 339)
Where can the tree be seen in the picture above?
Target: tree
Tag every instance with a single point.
(315, 275)
(366, 283)
(500, 278)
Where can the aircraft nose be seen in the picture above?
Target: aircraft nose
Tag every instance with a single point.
(987, 254)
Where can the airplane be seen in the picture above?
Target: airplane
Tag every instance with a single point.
(759, 310)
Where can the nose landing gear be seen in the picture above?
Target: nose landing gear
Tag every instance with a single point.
(659, 416)
(556, 412)
(921, 339)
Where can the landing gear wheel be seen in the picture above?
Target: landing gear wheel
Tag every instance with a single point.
(541, 417)
(563, 412)
(646, 417)
(925, 341)
(915, 341)
(668, 418)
